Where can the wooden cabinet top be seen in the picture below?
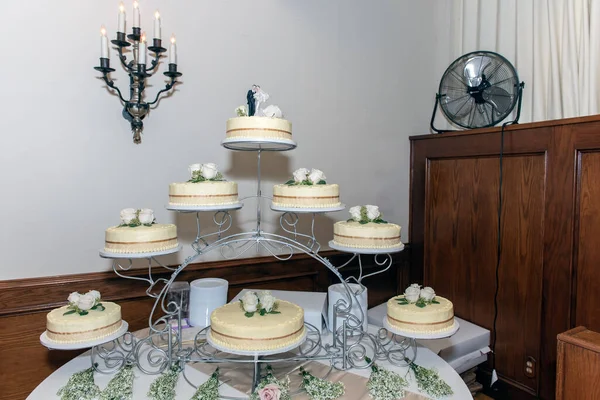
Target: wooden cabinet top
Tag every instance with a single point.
(582, 337)
(529, 125)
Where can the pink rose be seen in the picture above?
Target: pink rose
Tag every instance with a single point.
(270, 392)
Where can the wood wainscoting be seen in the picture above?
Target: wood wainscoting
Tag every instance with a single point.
(24, 303)
(549, 271)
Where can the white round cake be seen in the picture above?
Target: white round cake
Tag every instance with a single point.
(207, 193)
(258, 128)
(85, 318)
(420, 311)
(140, 239)
(231, 327)
(366, 236)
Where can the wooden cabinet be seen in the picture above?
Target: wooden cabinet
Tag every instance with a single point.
(549, 271)
(578, 365)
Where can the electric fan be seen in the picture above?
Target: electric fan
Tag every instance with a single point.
(478, 90)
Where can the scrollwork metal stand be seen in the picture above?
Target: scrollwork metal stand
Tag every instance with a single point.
(350, 347)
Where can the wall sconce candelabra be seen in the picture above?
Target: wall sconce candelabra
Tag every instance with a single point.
(135, 109)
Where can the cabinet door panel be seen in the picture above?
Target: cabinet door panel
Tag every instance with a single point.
(461, 245)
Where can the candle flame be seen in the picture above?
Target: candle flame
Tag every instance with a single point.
(121, 8)
(156, 14)
(103, 30)
(173, 39)
(136, 4)
(143, 37)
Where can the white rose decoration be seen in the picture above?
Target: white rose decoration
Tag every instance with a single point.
(86, 302)
(355, 213)
(128, 215)
(209, 171)
(427, 293)
(146, 216)
(242, 111)
(95, 294)
(372, 212)
(412, 294)
(416, 285)
(272, 112)
(250, 302)
(316, 175)
(267, 301)
(194, 168)
(73, 298)
(300, 175)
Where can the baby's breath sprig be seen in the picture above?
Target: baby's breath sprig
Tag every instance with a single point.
(209, 390)
(81, 386)
(429, 381)
(320, 389)
(163, 387)
(121, 386)
(384, 384)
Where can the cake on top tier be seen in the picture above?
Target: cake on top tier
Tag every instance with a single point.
(85, 318)
(420, 310)
(139, 233)
(366, 230)
(308, 189)
(257, 322)
(256, 122)
(205, 188)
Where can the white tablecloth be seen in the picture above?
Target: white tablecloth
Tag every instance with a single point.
(49, 387)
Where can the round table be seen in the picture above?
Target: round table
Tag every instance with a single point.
(49, 387)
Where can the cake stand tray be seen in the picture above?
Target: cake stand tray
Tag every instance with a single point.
(108, 254)
(416, 335)
(52, 345)
(307, 210)
(253, 144)
(256, 353)
(357, 250)
(190, 208)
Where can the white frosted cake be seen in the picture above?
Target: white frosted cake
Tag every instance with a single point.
(366, 229)
(205, 188)
(258, 128)
(138, 233)
(308, 189)
(257, 322)
(85, 318)
(420, 310)
(254, 122)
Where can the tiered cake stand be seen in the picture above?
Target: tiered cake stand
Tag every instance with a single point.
(350, 347)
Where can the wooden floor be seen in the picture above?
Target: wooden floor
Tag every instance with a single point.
(482, 396)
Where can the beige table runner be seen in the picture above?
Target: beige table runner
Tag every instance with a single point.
(239, 376)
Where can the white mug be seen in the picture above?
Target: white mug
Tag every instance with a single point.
(205, 295)
(337, 292)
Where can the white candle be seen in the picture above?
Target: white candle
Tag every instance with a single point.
(142, 50)
(173, 51)
(156, 25)
(121, 25)
(136, 14)
(103, 43)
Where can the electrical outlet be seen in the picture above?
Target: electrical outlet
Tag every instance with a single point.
(530, 367)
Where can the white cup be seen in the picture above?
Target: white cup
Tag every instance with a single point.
(337, 292)
(206, 295)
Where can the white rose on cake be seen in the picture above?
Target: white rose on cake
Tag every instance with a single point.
(267, 300)
(128, 215)
(355, 213)
(272, 111)
(316, 176)
(412, 293)
(300, 175)
(95, 294)
(250, 302)
(86, 302)
(427, 293)
(372, 212)
(242, 111)
(209, 171)
(74, 298)
(146, 216)
(194, 168)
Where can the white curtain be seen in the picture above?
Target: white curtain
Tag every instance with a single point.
(553, 44)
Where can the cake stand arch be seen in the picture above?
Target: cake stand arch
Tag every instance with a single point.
(163, 346)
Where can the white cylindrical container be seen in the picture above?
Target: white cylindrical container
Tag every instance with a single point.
(206, 295)
(360, 301)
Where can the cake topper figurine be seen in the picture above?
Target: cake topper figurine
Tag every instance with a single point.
(254, 98)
